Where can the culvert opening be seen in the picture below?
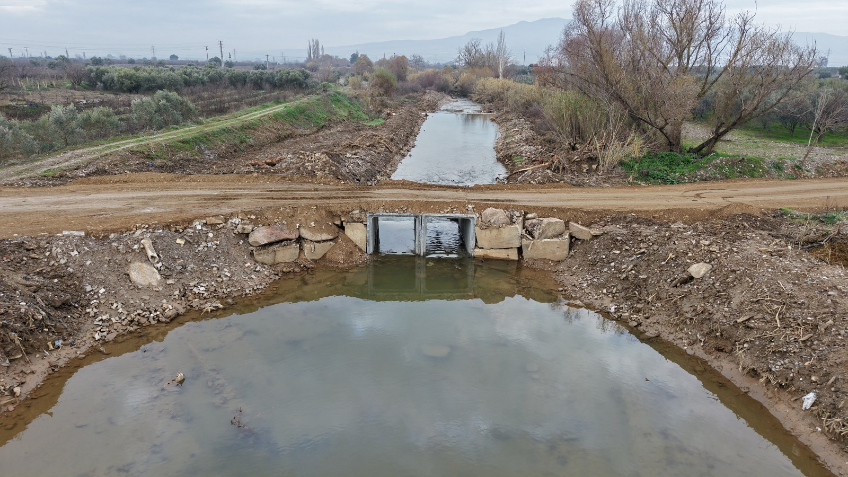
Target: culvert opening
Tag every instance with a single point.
(395, 235)
(431, 235)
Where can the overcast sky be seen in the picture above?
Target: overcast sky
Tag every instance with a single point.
(186, 27)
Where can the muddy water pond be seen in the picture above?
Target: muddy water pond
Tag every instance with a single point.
(406, 366)
(456, 146)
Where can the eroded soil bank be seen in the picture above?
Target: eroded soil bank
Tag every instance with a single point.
(770, 314)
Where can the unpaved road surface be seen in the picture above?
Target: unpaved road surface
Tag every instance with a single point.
(112, 203)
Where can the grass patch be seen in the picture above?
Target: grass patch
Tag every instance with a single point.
(831, 217)
(517, 160)
(673, 168)
(50, 172)
(317, 111)
(311, 112)
(801, 136)
(374, 122)
(666, 167)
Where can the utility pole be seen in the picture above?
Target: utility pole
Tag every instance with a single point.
(27, 51)
(235, 58)
(221, 45)
(207, 54)
(67, 55)
(266, 62)
(10, 53)
(153, 52)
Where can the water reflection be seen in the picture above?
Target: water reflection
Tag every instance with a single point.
(408, 366)
(455, 146)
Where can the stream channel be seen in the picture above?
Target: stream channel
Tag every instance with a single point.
(456, 146)
(403, 366)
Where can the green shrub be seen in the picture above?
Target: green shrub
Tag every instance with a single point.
(383, 81)
(99, 123)
(64, 121)
(14, 140)
(164, 109)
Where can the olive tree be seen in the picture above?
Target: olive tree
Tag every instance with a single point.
(657, 59)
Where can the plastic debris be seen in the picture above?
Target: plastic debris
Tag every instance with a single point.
(809, 399)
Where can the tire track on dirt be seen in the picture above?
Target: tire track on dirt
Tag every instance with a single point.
(123, 201)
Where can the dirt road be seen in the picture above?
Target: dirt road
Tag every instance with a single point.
(117, 202)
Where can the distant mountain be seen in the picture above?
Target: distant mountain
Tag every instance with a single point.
(532, 37)
(836, 45)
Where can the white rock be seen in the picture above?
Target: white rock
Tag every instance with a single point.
(144, 274)
(698, 270)
(495, 217)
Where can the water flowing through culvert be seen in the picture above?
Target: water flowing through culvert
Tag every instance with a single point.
(405, 366)
(456, 146)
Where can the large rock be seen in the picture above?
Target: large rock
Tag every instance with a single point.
(698, 270)
(316, 250)
(546, 228)
(503, 237)
(144, 274)
(496, 253)
(274, 254)
(546, 249)
(319, 231)
(271, 234)
(583, 233)
(495, 217)
(358, 233)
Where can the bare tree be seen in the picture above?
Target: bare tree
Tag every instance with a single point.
(830, 113)
(314, 51)
(75, 72)
(471, 55)
(7, 73)
(418, 62)
(657, 59)
(502, 54)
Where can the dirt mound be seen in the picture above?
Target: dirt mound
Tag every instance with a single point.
(770, 308)
(834, 253)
